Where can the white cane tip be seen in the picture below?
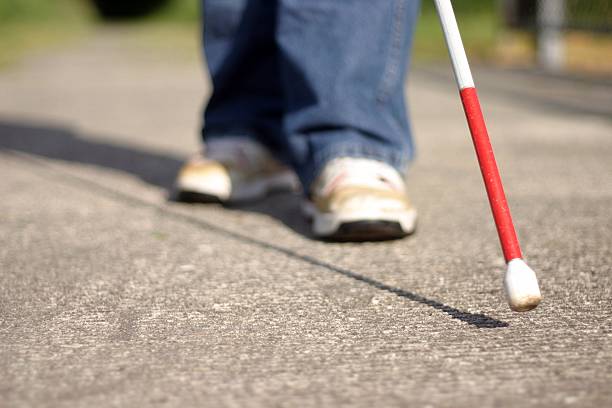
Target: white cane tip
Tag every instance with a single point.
(521, 286)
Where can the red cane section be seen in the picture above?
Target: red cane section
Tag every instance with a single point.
(490, 174)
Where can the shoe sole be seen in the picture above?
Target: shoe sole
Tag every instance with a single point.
(193, 197)
(366, 225)
(256, 190)
(361, 231)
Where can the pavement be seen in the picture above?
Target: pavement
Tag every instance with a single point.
(110, 295)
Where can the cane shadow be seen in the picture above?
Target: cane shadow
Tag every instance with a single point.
(159, 169)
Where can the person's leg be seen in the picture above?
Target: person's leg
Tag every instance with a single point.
(343, 65)
(243, 118)
(242, 59)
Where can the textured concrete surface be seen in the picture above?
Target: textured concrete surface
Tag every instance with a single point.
(111, 296)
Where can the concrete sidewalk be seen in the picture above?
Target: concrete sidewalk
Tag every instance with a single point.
(112, 296)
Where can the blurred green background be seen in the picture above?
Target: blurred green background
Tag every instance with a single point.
(30, 25)
(27, 26)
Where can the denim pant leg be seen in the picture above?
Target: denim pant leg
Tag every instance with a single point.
(242, 59)
(343, 67)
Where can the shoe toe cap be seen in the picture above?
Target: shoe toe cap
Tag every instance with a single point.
(359, 199)
(207, 178)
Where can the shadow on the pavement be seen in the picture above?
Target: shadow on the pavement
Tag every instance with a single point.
(159, 170)
(61, 143)
(155, 168)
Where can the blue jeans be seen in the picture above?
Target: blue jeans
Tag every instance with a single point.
(311, 79)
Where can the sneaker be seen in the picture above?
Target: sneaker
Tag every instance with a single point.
(360, 200)
(232, 170)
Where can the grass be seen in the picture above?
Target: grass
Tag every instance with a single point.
(173, 30)
(178, 11)
(27, 25)
(479, 24)
(478, 20)
(30, 25)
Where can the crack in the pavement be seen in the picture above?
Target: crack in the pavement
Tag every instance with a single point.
(475, 319)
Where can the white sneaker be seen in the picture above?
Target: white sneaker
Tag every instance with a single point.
(232, 170)
(360, 200)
